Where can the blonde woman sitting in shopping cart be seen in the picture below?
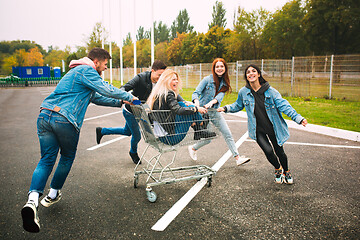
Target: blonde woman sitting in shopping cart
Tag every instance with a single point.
(171, 118)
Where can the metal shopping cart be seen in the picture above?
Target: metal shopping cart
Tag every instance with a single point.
(166, 136)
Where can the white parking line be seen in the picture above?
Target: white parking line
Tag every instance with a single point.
(170, 215)
(106, 143)
(316, 144)
(243, 121)
(100, 116)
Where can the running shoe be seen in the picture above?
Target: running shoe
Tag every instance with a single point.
(48, 201)
(288, 178)
(279, 177)
(98, 135)
(30, 217)
(135, 158)
(192, 153)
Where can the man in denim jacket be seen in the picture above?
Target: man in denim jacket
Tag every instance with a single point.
(59, 123)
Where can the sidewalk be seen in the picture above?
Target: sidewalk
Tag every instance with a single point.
(333, 132)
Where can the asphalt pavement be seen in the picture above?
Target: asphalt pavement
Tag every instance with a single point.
(100, 202)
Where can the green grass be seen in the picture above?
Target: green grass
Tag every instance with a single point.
(325, 112)
(328, 112)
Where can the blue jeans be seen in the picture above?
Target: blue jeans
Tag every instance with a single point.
(182, 125)
(220, 124)
(55, 132)
(131, 129)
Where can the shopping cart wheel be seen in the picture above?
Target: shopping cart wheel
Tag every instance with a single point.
(151, 196)
(209, 181)
(136, 181)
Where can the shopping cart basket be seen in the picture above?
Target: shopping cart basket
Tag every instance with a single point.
(165, 136)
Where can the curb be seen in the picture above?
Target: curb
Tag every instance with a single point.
(328, 131)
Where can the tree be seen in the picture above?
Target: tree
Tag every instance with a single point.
(53, 59)
(143, 53)
(283, 35)
(188, 54)
(128, 55)
(80, 51)
(211, 45)
(181, 24)
(7, 65)
(142, 34)
(35, 58)
(250, 26)
(5, 47)
(20, 53)
(11, 46)
(115, 55)
(160, 52)
(95, 38)
(21, 57)
(161, 33)
(70, 57)
(174, 50)
(333, 26)
(236, 47)
(127, 41)
(218, 15)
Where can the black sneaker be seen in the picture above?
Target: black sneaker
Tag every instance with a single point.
(98, 135)
(288, 178)
(135, 157)
(30, 217)
(48, 201)
(279, 177)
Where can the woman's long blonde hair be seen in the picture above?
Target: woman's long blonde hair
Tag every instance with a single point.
(162, 87)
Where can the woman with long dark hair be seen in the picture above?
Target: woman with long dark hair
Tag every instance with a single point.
(264, 107)
(209, 93)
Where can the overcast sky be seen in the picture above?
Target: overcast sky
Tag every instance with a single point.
(70, 22)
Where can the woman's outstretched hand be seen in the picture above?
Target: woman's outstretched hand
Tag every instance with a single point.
(210, 104)
(304, 122)
(221, 109)
(202, 110)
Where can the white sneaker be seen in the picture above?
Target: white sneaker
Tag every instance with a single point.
(30, 217)
(192, 153)
(48, 201)
(242, 160)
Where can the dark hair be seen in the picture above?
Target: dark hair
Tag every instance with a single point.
(99, 54)
(157, 65)
(227, 86)
(261, 79)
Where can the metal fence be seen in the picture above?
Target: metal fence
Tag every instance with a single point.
(333, 76)
(13, 81)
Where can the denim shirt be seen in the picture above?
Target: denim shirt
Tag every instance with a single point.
(274, 105)
(205, 92)
(80, 86)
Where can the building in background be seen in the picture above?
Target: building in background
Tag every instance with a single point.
(32, 72)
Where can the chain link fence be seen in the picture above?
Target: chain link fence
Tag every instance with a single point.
(14, 81)
(333, 76)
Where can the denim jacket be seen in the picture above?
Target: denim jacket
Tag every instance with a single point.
(274, 105)
(80, 86)
(205, 92)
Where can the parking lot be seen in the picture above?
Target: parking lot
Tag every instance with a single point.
(100, 202)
